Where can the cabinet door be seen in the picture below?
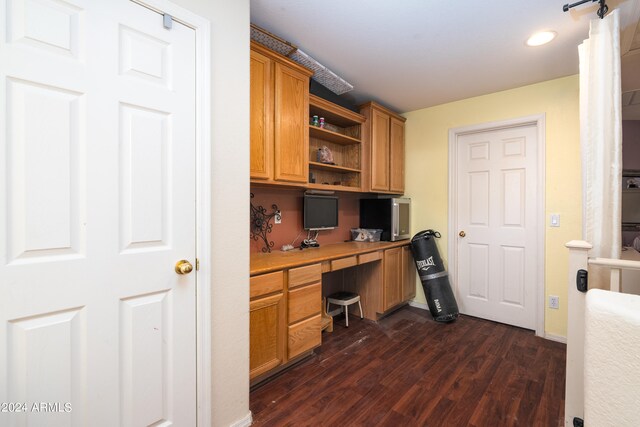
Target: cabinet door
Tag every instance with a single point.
(291, 128)
(261, 116)
(396, 156)
(408, 274)
(379, 151)
(392, 286)
(267, 332)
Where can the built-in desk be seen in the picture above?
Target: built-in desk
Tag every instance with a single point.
(287, 288)
(266, 262)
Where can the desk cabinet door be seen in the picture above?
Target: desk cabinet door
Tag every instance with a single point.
(392, 286)
(267, 323)
(408, 274)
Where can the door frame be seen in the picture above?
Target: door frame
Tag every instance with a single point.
(537, 120)
(202, 29)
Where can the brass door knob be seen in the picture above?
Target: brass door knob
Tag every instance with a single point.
(462, 234)
(183, 267)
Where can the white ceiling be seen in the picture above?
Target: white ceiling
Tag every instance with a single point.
(412, 54)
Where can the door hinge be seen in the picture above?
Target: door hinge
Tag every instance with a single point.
(197, 264)
(167, 21)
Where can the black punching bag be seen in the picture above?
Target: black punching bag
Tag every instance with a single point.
(434, 278)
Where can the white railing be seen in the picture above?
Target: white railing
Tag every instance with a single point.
(579, 260)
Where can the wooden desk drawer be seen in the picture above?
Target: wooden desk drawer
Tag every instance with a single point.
(266, 284)
(304, 302)
(370, 257)
(304, 336)
(303, 275)
(339, 264)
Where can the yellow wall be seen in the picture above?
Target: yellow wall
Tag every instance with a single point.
(427, 133)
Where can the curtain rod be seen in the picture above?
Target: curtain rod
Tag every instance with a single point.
(602, 10)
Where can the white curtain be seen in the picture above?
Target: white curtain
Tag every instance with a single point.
(601, 139)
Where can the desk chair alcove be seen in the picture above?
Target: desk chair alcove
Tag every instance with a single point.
(345, 299)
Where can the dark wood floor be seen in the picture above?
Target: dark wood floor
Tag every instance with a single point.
(408, 370)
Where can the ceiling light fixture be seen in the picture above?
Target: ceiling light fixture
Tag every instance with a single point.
(540, 38)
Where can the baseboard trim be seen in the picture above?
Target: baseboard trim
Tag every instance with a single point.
(556, 338)
(419, 305)
(244, 422)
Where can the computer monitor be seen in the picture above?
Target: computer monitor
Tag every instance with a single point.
(320, 212)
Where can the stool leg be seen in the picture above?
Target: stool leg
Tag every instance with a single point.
(360, 306)
(346, 314)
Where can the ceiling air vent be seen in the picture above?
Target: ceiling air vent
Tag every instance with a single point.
(322, 74)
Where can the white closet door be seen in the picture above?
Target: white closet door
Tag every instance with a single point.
(497, 221)
(97, 204)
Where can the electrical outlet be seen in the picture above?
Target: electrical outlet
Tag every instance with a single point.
(554, 301)
(278, 218)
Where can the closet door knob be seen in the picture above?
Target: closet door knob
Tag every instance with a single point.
(184, 267)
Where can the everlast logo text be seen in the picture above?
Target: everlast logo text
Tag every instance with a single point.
(425, 264)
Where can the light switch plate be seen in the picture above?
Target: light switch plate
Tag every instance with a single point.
(555, 220)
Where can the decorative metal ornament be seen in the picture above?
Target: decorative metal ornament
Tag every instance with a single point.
(261, 224)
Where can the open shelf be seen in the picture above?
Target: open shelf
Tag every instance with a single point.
(342, 136)
(333, 187)
(335, 137)
(332, 113)
(334, 168)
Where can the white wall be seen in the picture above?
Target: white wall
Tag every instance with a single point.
(230, 207)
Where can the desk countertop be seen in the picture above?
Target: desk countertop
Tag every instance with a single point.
(267, 262)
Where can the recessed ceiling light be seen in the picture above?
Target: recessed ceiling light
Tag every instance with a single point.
(543, 37)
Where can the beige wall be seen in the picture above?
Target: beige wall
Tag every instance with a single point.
(230, 209)
(427, 170)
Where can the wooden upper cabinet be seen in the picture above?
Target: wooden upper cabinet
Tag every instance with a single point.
(261, 116)
(396, 156)
(379, 151)
(291, 129)
(384, 136)
(279, 117)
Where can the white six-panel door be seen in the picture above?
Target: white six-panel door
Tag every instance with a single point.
(97, 204)
(497, 225)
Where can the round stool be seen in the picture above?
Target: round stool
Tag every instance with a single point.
(345, 299)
